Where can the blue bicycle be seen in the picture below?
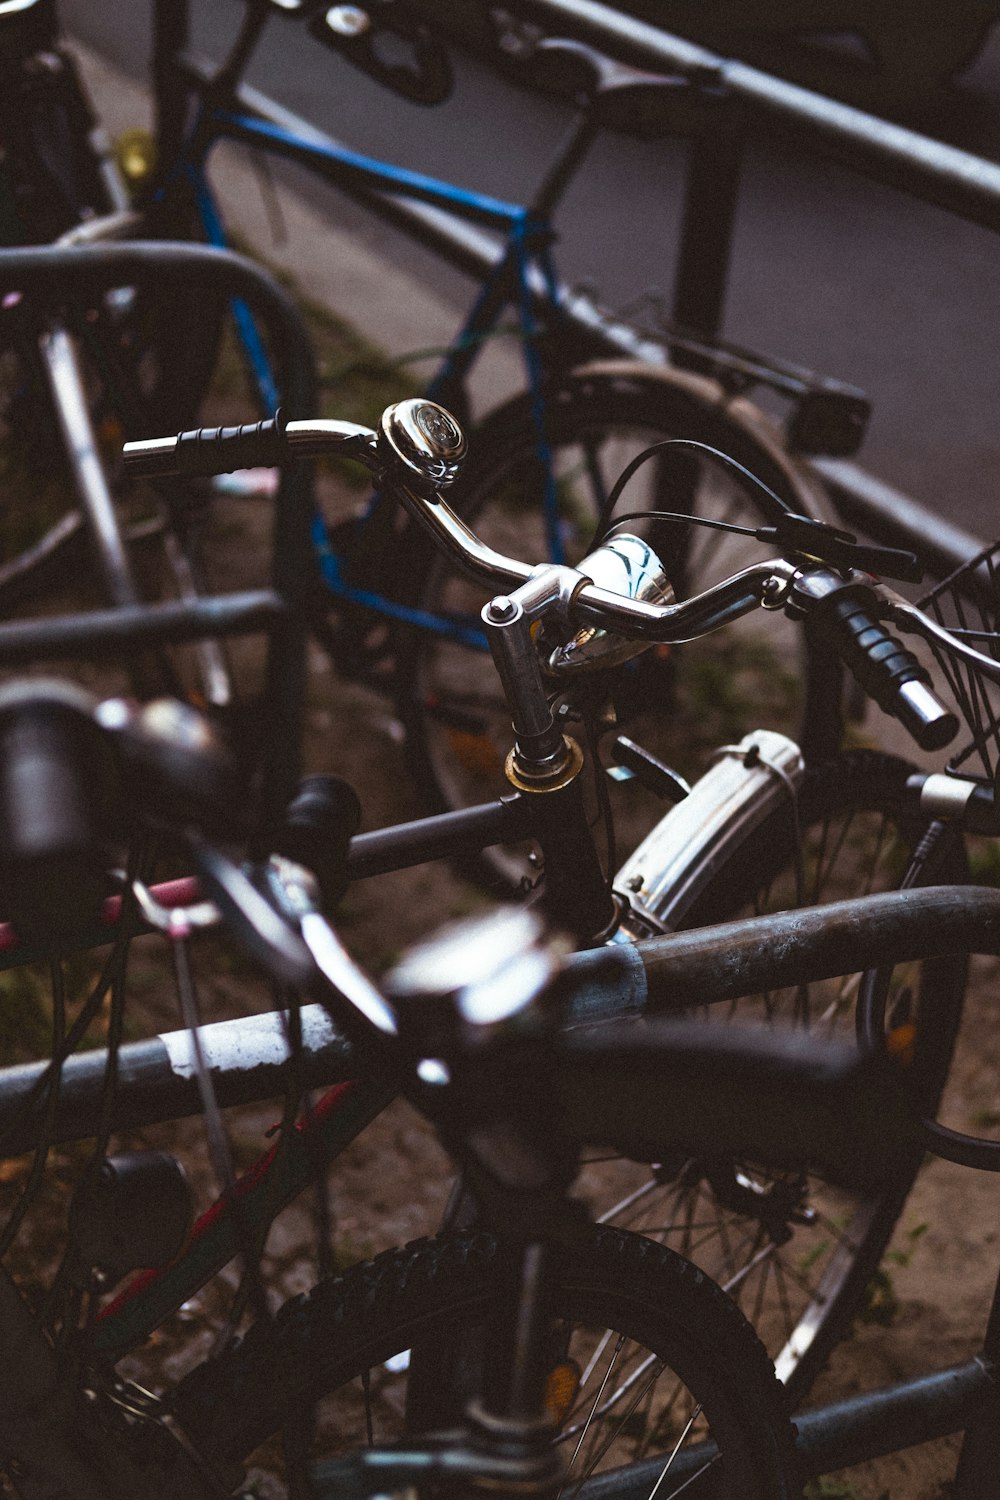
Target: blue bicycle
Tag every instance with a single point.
(542, 464)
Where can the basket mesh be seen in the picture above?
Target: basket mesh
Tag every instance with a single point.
(967, 604)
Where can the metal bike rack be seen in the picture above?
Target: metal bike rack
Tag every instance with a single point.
(50, 275)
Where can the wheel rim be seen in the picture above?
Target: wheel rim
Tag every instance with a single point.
(791, 1250)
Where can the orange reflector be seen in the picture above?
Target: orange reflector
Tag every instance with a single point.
(135, 151)
(475, 752)
(901, 1041)
(561, 1385)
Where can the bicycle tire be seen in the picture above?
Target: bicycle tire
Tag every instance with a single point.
(458, 730)
(149, 362)
(856, 800)
(350, 1325)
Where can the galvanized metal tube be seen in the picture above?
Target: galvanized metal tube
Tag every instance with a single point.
(956, 180)
(247, 1058)
(105, 632)
(731, 959)
(873, 1423)
(835, 1437)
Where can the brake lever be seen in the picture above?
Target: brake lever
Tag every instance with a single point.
(841, 549)
(258, 928)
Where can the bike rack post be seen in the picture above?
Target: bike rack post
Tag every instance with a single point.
(714, 161)
(978, 1470)
(171, 36)
(50, 273)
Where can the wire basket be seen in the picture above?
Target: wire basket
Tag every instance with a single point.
(967, 605)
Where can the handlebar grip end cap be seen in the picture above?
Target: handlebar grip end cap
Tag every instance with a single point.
(931, 724)
(424, 441)
(151, 457)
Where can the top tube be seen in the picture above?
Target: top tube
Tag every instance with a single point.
(391, 178)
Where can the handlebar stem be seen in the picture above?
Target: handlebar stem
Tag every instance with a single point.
(508, 627)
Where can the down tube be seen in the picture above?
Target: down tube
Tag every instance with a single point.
(270, 1184)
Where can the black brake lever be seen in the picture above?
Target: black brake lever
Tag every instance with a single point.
(841, 548)
(259, 930)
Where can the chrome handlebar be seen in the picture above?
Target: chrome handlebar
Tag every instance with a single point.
(418, 451)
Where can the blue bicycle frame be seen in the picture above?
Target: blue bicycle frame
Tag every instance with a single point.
(524, 267)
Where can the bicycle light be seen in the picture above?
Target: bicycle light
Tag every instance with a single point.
(624, 565)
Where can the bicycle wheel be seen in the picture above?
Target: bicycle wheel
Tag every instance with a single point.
(798, 1255)
(599, 418)
(660, 1362)
(124, 364)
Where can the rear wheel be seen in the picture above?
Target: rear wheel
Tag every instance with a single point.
(598, 419)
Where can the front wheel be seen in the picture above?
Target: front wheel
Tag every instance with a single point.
(798, 1254)
(648, 1359)
(599, 418)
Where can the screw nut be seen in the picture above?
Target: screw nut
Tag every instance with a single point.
(501, 609)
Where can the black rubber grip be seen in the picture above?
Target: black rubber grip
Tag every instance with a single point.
(884, 666)
(219, 450)
(317, 829)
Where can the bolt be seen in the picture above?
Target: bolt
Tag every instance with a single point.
(348, 20)
(634, 882)
(501, 609)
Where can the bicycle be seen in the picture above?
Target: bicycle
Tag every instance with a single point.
(558, 447)
(96, 365)
(723, 846)
(49, 278)
(493, 1031)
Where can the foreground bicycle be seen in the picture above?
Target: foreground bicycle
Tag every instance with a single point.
(275, 909)
(678, 1362)
(757, 832)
